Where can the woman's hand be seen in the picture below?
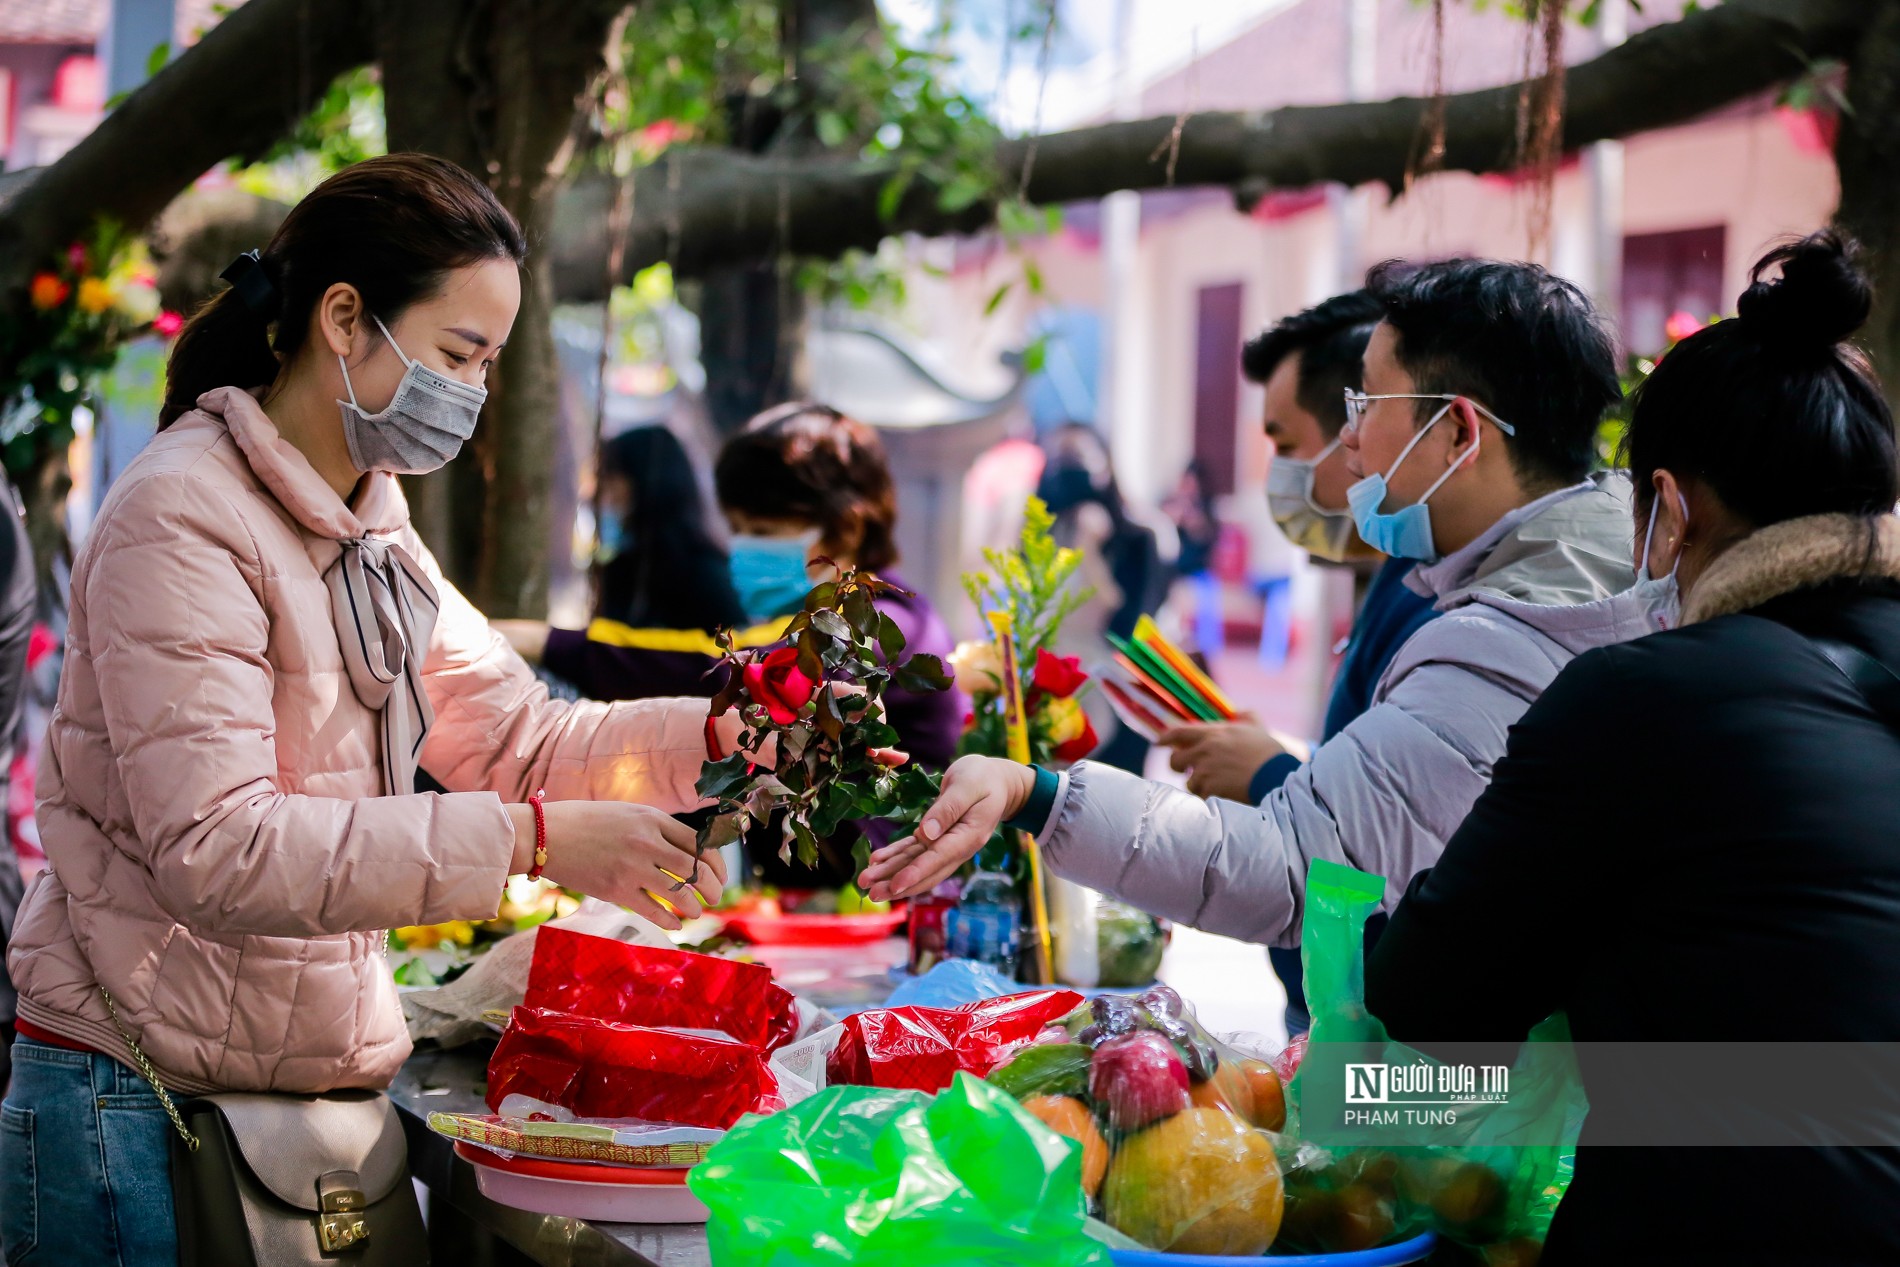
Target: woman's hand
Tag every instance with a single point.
(978, 794)
(633, 855)
(529, 638)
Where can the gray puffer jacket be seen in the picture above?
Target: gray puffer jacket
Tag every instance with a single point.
(1544, 584)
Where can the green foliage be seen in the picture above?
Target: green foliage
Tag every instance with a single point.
(346, 127)
(681, 60)
(823, 776)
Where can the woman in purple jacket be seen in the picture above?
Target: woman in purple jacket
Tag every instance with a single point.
(801, 482)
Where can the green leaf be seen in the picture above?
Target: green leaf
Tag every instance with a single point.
(861, 613)
(923, 673)
(156, 59)
(719, 779)
(811, 659)
(830, 721)
(1033, 276)
(821, 597)
(963, 191)
(833, 130)
(891, 196)
(721, 830)
(890, 639)
(1036, 355)
(996, 300)
(831, 624)
(807, 843)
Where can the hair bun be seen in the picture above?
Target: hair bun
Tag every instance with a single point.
(1820, 298)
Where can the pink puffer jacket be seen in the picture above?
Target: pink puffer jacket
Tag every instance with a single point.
(221, 856)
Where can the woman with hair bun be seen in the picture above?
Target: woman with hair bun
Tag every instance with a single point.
(262, 656)
(1738, 882)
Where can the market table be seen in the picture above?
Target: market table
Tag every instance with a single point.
(467, 1228)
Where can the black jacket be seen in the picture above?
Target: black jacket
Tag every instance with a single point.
(1695, 839)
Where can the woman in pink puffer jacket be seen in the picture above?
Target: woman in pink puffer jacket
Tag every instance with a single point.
(262, 654)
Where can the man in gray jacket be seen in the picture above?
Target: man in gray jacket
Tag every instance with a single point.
(1473, 442)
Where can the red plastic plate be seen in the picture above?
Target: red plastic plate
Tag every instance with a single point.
(815, 930)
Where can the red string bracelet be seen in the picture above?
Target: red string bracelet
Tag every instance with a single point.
(539, 803)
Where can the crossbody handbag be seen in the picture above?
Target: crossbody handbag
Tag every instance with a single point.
(276, 1180)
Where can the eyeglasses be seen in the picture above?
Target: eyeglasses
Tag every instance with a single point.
(1356, 403)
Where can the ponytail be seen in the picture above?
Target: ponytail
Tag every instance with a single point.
(225, 344)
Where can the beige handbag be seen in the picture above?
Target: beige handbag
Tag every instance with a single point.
(289, 1180)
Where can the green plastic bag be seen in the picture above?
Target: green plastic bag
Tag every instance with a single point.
(1478, 1153)
(870, 1176)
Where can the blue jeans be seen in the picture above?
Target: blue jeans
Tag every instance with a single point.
(85, 1163)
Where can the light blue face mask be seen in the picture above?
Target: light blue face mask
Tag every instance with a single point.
(768, 573)
(612, 531)
(1405, 533)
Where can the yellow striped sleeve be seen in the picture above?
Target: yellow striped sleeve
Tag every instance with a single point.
(684, 641)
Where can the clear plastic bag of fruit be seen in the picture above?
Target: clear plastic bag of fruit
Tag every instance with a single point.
(1176, 1126)
(1489, 1179)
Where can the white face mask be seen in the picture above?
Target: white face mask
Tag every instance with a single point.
(1660, 595)
(421, 428)
(1325, 534)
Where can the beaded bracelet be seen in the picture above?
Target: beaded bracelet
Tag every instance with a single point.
(539, 802)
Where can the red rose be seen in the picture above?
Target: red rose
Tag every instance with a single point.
(1060, 676)
(1080, 746)
(777, 683)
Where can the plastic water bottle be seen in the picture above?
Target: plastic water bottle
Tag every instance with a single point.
(984, 926)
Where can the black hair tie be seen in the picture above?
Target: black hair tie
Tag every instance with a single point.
(252, 284)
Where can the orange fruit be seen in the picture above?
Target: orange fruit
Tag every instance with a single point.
(1228, 1089)
(1267, 1093)
(1066, 1115)
(1201, 1182)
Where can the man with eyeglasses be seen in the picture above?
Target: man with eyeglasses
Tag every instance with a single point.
(1472, 446)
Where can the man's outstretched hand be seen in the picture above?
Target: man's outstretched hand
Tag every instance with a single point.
(978, 794)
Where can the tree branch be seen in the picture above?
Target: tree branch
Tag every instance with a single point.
(234, 93)
(698, 208)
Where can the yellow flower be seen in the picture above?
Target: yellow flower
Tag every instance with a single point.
(429, 936)
(95, 296)
(977, 667)
(1065, 719)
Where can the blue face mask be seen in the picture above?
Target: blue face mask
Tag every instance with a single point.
(768, 573)
(612, 531)
(1405, 533)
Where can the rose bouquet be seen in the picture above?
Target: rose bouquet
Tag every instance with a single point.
(815, 745)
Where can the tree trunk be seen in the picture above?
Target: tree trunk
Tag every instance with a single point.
(751, 318)
(496, 86)
(1867, 154)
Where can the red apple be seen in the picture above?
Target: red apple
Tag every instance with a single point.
(1138, 1078)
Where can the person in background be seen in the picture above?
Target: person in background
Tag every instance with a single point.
(801, 483)
(659, 565)
(1692, 836)
(19, 604)
(1473, 446)
(1122, 561)
(1197, 532)
(261, 655)
(1307, 363)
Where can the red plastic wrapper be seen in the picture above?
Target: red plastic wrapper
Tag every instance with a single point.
(659, 987)
(607, 1069)
(923, 1048)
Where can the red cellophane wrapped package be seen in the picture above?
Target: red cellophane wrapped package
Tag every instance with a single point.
(659, 987)
(607, 1069)
(923, 1048)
